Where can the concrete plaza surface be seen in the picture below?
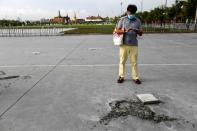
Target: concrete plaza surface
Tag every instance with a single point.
(65, 83)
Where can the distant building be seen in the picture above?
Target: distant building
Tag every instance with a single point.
(75, 20)
(80, 21)
(94, 19)
(43, 20)
(60, 19)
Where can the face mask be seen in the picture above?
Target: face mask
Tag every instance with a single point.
(131, 17)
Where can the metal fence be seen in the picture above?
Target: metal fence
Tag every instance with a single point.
(23, 32)
(56, 31)
(170, 27)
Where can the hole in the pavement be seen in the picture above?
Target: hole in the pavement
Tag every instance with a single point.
(8, 77)
(124, 108)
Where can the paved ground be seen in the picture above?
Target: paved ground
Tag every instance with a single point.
(66, 83)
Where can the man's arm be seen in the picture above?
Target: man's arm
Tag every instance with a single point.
(119, 31)
(138, 31)
(119, 27)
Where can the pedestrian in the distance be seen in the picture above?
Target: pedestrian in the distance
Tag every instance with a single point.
(130, 27)
(187, 24)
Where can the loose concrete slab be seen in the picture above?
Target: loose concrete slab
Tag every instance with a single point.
(147, 98)
(75, 94)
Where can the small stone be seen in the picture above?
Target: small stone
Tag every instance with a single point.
(36, 53)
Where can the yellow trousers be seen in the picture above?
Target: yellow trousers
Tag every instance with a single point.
(131, 52)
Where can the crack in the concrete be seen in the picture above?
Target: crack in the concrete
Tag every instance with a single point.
(8, 77)
(44, 76)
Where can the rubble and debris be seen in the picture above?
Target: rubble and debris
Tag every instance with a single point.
(136, 108)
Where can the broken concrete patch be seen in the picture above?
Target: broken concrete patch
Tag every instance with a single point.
(124, 108)
(8, 77)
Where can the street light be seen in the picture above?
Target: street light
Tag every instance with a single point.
(141, 5)
(196, 20)
(196, 16)
(165, 12)
(121, 3)
(166, 3)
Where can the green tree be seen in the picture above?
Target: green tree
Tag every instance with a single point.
(191, 6)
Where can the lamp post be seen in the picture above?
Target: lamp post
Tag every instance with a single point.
(196, 20)
(121, 3)
(166, 2)
(165, 12)
(141, 5)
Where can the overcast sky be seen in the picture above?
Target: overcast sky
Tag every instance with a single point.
(37, 9)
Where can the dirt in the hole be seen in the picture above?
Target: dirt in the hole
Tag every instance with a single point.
(132, 108)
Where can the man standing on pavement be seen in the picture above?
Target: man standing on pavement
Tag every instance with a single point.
(130, 27)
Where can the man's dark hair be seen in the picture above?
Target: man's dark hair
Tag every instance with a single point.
(132, 9)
